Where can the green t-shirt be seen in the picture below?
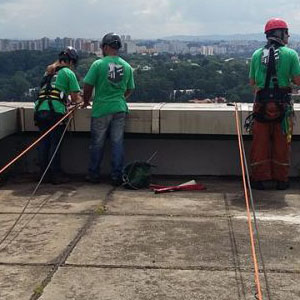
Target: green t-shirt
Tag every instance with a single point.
(111, 77)
(65, 80)
(286, 67)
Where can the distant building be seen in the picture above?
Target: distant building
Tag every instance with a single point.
(177, 47)
(141, 49)
(87, 46)
(97, 46)
(79, 44)
(194, 50)
(162, 47)
(130, 47)
(219, 50)
(45, 43)
(5, 45)
(68, 42)
(207, 50)
(243, 48)
(59, 44)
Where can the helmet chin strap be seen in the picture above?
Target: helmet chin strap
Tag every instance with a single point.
(278, 36)
(277, 40)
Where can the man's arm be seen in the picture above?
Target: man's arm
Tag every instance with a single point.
(128, 93)
(87, 94)
(296, 80)
(52, 68)
(253, 84)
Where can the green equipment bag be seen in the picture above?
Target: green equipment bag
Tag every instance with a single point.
(137, 175)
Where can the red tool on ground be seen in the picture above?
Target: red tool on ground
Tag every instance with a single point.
(187, 186)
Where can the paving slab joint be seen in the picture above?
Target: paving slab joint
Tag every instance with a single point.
(205, 216)
(62, 258)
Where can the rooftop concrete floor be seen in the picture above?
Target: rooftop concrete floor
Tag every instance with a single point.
(87, 242)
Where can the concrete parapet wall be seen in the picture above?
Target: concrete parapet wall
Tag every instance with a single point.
(8, 121)
(191, 139)
(175, 155)
(151, 118)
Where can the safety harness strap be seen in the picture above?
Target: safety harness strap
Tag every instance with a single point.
(281, 97)
(271, 70)
(50, 93)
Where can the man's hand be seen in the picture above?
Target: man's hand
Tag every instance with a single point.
(87, 95)
(296, 80)
(76, 97)
(85, 104)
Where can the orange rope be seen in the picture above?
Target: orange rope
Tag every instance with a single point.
(256, 269)
(39, 139)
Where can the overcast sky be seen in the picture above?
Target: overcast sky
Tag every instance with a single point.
(140, 18)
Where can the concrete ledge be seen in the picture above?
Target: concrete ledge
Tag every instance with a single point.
(8, 121)
(194, 119)
(150, 118)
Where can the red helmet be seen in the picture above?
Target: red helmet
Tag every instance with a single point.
(275, 23)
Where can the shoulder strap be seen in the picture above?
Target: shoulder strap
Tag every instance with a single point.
(59, 68)
(47, 78)
(271, 69)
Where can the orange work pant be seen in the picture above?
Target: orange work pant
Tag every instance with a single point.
(270, 152)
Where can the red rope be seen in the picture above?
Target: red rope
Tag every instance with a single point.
(254, 257)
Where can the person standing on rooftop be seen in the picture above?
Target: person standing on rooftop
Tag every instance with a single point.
(273, 68)
(59, 82)
(112, 78)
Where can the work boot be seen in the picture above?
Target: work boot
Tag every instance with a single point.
(59, 178)
(47, 178)
(116, 181)
(92, 179)
(258, 185)
(2, 181)
(282, 185)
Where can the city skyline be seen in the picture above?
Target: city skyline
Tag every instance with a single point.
(131, 46)
(27, 19)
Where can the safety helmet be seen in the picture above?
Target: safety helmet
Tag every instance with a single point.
(275, 23)
(70, 54)
(113, 40)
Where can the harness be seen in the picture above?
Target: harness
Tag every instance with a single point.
(281, 97)
(49, 93)
(136, 175)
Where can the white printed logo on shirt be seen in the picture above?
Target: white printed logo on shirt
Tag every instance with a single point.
(115, 73)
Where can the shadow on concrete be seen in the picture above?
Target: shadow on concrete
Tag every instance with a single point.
(240, 284)
(263, 200)
(269, 199)
(24, 185)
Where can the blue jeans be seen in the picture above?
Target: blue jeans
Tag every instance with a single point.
(112, 125)
(47, 148)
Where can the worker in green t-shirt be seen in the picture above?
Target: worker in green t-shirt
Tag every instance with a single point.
(59, 83)
(273, 69)
(112, 79)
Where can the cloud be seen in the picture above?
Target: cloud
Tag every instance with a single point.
(140, 18)
(14, 10)
(19, 17)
